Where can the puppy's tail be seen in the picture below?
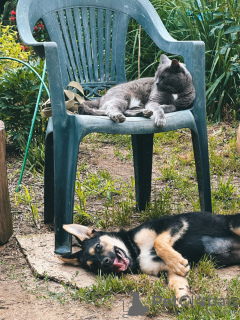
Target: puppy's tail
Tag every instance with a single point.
(91, 108)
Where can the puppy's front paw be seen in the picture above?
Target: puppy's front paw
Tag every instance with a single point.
(180, 266)
(147, 113)
(183, 300)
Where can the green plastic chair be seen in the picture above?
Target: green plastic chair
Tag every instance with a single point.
(87, 45)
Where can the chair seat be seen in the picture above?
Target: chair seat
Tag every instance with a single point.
(132, 125)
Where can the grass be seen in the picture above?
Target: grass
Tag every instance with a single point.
(212, 297)
(106, 200)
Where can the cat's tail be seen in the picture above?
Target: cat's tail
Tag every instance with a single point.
(91, 108)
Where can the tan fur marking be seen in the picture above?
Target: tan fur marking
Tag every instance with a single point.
(109, 242)
(89, 263)
(145, 240)
(92, 250)
(163, 246)
(145, 237)
(236, 230)
(90, 232)
(69, 261)
(178, 284)
(181, 232)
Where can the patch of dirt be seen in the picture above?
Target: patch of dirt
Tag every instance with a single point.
(24, 296)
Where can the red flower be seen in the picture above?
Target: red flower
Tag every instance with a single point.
(35, 29)
(13, 18)
(13, 13)
(23, 47)
(40, 25)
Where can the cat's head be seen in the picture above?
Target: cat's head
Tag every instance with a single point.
(172, 76)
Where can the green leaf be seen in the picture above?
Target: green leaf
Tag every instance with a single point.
(232, 29)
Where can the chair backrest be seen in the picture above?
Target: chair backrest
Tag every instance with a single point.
(91, 35)
(91, 42)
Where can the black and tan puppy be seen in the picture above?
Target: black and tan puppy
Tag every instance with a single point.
(169, 243)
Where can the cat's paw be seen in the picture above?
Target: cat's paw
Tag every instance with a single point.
(80, 109)
(147, 113)
(160, 122)
(119, 118)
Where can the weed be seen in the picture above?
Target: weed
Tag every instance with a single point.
(120, 155)
(36, 153)
(81, 216)
(161, 205)
(225, 190)
(169, 173)
(118, 212)
(28, 198)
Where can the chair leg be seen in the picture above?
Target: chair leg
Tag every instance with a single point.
(200, 148)
(66, 155)
(142, 154)
(49, 181)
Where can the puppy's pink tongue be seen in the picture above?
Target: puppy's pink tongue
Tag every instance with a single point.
(119, 265)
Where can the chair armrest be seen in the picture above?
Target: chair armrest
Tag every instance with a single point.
(55, 82)
(48, 50)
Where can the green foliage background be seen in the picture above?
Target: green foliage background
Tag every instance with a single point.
(214, 22)
(217, 23)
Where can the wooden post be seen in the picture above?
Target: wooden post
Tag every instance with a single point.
(238, 139)
(6, 227)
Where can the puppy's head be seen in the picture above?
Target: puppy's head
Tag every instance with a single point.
(101, 251)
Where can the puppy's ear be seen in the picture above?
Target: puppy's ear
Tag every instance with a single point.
(81, 232)
(71, 258)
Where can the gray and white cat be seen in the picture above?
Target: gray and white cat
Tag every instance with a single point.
(171, 89)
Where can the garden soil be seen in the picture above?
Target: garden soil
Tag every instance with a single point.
(26, 291)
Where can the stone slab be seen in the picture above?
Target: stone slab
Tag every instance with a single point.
(39, 252)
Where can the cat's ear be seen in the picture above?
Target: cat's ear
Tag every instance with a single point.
(164, 59)
(175, 64)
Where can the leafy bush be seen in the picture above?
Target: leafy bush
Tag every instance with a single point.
(9, 6)
(10, 48)
(214, 22)
(18, 95)
(217, 24)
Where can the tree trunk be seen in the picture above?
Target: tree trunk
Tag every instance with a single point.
(6, 228)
